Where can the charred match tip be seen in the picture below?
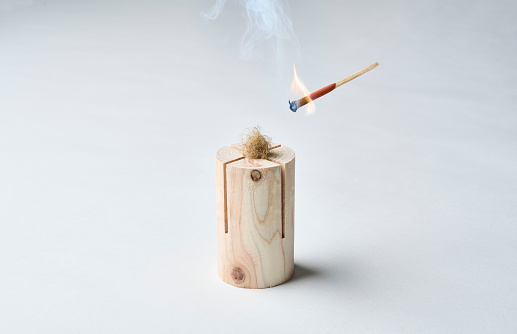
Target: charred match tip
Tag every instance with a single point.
(293, 105)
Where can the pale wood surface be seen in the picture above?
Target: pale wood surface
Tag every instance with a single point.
(223, 157)
(255, 218)
(286, 158)
(355, 75)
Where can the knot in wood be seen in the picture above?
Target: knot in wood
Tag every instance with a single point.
(256, 175)
(238, 275)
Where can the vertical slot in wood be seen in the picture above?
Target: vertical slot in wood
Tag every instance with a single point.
(282, 177)
(282, 182)
(225, 178)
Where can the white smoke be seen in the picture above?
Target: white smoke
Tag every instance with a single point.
(267, 21)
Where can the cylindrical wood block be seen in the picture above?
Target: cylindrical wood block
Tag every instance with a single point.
(255, 217)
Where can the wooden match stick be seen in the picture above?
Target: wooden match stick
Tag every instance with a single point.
(355, 75)
(327, 89)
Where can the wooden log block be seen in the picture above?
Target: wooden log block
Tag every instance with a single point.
(255, 217)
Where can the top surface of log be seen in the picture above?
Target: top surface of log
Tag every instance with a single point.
(228, 154)
(281, 154)
(232, 154)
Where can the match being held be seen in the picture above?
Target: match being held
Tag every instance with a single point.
(294, 105)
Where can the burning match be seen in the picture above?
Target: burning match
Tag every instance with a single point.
(325, 90)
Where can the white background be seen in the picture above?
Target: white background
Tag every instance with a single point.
(406, 178)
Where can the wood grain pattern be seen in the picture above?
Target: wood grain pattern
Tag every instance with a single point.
(224, 156)
(286, 158)
(256, 249)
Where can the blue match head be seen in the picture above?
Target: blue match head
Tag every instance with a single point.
(293, 105)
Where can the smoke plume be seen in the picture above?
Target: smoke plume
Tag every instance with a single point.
(267, 21)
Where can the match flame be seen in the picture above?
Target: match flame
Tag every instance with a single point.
(299, 88)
